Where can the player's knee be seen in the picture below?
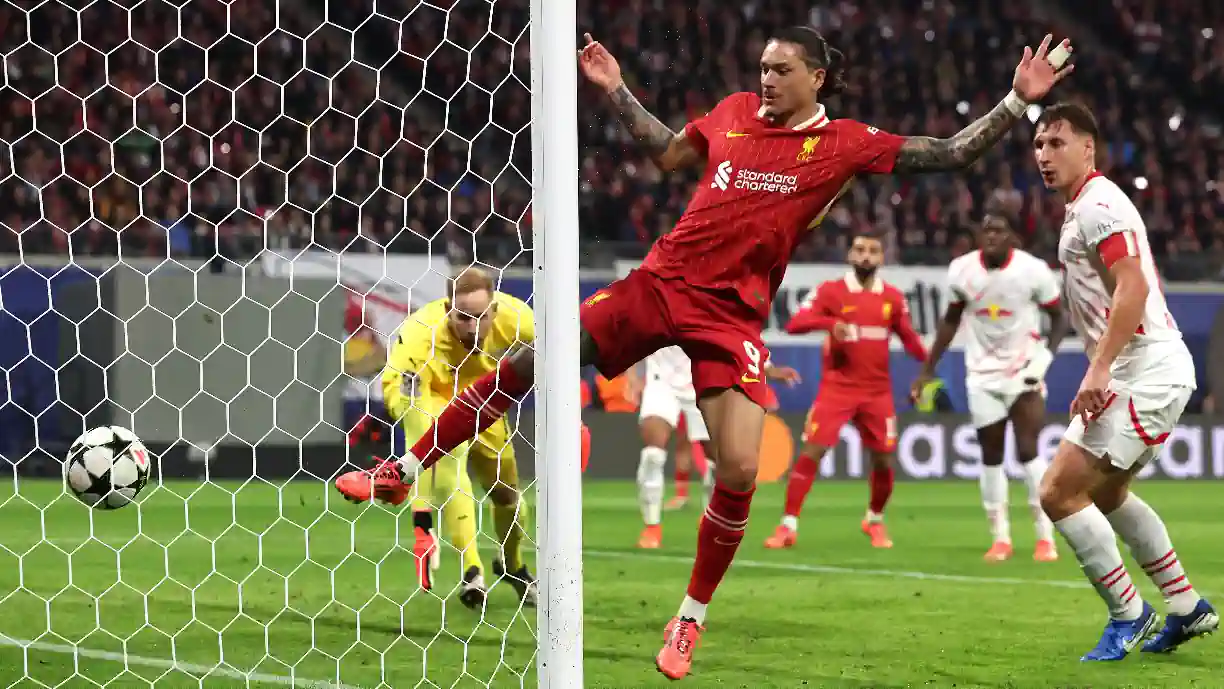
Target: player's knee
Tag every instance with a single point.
(881, 461)
(1059, 497)
(504, 495)
(655, 432)
(737, 470)
(1025, 452)
(523, 362)
(1110, 495)
(813, 450)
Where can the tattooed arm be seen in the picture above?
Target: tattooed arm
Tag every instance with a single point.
(669, 150)
(928, 154)
(1036, 74)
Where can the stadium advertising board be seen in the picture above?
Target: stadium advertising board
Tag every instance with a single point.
(925, 289)
(394, 280)
(934, 447)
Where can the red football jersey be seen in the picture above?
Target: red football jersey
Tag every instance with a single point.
(763, 187)
(860, 361)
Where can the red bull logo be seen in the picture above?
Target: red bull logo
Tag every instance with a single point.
(994, 312)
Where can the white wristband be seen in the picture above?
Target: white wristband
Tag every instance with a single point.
(1015, 104)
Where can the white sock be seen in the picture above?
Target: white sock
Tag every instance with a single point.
(1092, 538)
(1033, 471)
(994, 498)
(873, 517)
(791, 522)
(650, 482)
(692, 609)
(707, 485)
(1145, 534)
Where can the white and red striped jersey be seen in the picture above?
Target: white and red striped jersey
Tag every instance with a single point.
(1101, 227)
(1002, 311)
(671, 367)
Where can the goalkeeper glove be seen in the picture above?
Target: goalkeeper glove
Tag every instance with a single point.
(1034, 370)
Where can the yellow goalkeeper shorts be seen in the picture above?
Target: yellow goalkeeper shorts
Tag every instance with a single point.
(491, 457)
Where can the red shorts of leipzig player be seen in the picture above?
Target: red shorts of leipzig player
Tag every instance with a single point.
(872, 415)
(642, 313)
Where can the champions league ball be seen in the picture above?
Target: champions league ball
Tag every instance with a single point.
(106, 467)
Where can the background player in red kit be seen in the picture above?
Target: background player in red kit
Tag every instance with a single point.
(860, 312)
(773, 165)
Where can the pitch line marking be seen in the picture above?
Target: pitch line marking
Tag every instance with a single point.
(856, 571)
(199, 671)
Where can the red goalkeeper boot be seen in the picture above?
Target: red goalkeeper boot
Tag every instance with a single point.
(680, 639)
(385, 481)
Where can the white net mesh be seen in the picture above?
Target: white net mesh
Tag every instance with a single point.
(206, 144)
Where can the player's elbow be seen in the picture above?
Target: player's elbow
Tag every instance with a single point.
(679, 154)
(1130, 284)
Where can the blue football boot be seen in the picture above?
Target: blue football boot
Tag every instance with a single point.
(1120, 637)
(1178, 629)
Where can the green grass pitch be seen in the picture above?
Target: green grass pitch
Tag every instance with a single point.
(272, 589)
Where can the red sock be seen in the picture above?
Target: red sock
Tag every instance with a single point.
(800, 482)
(476, 408)
(682, 479)
(700, 462)
(881, 481)
(718, 537)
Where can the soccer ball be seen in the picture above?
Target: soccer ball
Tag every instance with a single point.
(106, 467)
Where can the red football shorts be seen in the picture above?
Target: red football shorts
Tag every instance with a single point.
(873, 416)
(642, 313)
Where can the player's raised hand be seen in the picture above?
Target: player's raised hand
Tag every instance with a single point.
(598, 65)
(1039, 71)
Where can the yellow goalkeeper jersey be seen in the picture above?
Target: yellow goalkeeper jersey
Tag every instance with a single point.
(427, 359)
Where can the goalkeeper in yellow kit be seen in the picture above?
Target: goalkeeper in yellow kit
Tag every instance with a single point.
(438, 351)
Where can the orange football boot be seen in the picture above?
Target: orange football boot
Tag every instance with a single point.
(878, 534)
(1000, 551)
(1045, 552)
(782, 537)
(681, 636)
(652, 537)
(677, 502)
(385, 481)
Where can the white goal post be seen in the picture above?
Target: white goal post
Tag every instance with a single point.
(554, 100)
(167, 163)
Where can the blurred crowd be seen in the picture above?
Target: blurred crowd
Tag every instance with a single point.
(203, 128)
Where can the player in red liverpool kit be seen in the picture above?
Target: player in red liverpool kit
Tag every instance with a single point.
(773, 165)
(861, 313)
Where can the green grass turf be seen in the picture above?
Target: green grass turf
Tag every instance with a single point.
(270, 581)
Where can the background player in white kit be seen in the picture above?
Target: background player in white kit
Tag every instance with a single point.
(666, 394)
(1001, 292)
(1139, 379)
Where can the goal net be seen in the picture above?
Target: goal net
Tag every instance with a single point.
(214, 210)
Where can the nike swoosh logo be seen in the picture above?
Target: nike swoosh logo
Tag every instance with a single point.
(735, 135)
(746, 379)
